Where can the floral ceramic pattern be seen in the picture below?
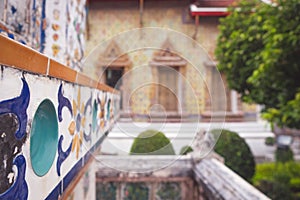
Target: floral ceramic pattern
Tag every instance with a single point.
(62, 102)
(87, 134)
(55, 32)
(62, 155)
(55, 28)
(13, 115)
(17, 17)
(75, 127)
(101, 114)
(36, 24)
(75, 27)
(19, 189)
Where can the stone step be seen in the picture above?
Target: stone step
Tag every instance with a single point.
(136, 127)
(187, 125)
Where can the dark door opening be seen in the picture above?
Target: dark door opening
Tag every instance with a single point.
(114, 79)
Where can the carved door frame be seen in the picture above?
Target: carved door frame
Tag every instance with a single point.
(113, 57)
(167, 57)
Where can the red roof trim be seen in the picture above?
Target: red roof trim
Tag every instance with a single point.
(208, 11)
(208, 14)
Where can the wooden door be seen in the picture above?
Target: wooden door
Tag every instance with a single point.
(219, 101)
(168, 89)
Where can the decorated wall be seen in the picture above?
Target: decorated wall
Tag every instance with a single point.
(106, 21)
(50, 125)
(55, 28)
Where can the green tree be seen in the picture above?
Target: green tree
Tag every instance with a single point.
(258, 50)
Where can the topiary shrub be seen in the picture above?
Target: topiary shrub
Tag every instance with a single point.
(284, 155)
(295, 184)
(275, 190)
(278, 180)
(270, 141)
(185, 150)
(236, 153)
(152, 142)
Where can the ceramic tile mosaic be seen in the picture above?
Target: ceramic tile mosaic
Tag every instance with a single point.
(50, 127)
(2, 9)
(17, 16)
(55, 28)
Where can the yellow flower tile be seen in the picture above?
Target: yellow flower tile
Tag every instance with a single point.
(72, 127)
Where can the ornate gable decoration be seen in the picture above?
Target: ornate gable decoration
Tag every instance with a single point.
(167, 57)
(113, 57)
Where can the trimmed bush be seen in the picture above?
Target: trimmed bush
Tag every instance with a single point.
(185, 150)
(270, 141)
(278, 180)
(275, 190)
(295, 184)
(236, 153)
(152, 142)
(284, 155)
(269, 171)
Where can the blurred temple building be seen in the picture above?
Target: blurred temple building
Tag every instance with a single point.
(179, 76)
(70, 69)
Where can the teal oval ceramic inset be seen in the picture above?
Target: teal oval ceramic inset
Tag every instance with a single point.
(95, 110)
(43, 138)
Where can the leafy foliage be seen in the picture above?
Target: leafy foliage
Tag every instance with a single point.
(185, 150)
(152, 142)
(278, 180)
(270, 141)
(136, 191)
(106, 191)
(284, 155)
(236, 153)
(259, 54)
(169, 190)
(287, 115)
